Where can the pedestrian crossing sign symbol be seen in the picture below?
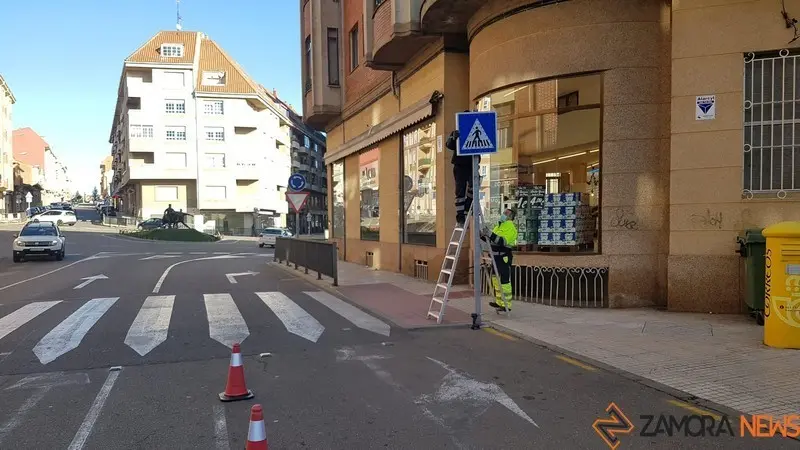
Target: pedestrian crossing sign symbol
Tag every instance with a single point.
(477, 133)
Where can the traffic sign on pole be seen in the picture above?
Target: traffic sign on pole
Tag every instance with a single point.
(297, 182)
(28, 197)
(297, 200)
(477, 133)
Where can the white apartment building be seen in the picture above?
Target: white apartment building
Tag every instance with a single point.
(56, 183)
(192, 130)
(7, 101)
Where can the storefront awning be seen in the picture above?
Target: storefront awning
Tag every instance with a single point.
(415, 113)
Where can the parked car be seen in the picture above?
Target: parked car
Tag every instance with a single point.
(268, 236)
(57, 216)
(151, 224)
(39, 239)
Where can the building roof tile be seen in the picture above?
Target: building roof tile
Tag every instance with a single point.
(150, 52)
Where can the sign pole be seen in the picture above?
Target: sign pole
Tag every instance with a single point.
(476, 240)
(296, 223)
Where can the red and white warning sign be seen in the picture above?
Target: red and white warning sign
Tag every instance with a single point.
(297, 200)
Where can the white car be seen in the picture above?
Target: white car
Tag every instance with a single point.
(39, 239)
(57, 216)
(268, 236)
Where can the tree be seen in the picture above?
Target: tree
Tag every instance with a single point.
(78, 197)
(95, 194)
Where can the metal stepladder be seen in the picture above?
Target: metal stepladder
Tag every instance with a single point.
(441, 292)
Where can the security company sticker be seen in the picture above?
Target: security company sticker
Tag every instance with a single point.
(706, 107)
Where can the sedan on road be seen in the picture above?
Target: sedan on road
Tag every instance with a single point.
(151, 224)
(39, 239)
(57, 216)
(268, 236)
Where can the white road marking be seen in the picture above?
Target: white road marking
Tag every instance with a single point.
(222, 253)
(296, 320)
(50, 272)
(457, 387)
(225, 323)
(89, 280)
(356, 316)
(159, 257)
(42, 384)
(232, 276)
(20, 414)
(22, 316)
(69, 333)
(198, 253)
(48, 380)
(221, 440)
(94, 412)
(173, 253)
(166, 272)
(151, 326)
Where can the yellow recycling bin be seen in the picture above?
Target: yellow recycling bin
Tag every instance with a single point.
(782, 286)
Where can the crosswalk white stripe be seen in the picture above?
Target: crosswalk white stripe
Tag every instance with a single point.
(69, 333)
(151, 326)
(296, 320)
(356, 316)
(22, 316)
(225, 322)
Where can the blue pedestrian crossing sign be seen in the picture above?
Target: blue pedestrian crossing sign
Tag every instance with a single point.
(297, 182)
(477, 133)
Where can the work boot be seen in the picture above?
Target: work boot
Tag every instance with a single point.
(494, 305)
(460, 221)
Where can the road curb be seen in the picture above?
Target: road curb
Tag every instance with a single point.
(334, 291)
(668, 390)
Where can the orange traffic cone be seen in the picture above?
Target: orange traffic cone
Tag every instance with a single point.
(236, 389)
(257, 434)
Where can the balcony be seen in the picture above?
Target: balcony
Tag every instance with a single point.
(322, 93)
(447, 17)
(246, 170)
(139, 171)
(395, 33)
(300, 165)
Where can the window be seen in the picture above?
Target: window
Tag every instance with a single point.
(166, 193)
(215, 133)
(308, 64)
(216, 192)
(141, 131)
(215, 160)
(316, 147)
(213, 107)
(174, 80)
(419, 186)
(333, 56)
(172, 50)
(176, 133)
(354, 48)
(548, 166)
(368, 185)
(771, 130)
(175, 160)
(175, 107)
(213, 78)
(306, 142)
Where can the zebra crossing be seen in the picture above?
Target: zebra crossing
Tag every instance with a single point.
(150, 327)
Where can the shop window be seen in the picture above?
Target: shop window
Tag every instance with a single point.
(547, 167)
(419, 186)
(368, 185)
(771, 130)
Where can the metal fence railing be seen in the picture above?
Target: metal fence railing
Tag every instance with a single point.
(580, 287)
(317, 256)
(121, 221)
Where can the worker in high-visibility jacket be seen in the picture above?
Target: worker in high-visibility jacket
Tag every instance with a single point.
(503, 239)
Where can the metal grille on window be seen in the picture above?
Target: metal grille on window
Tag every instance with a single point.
(420, 269)
(771, 123)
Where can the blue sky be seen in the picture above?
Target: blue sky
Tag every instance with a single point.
(62, 60)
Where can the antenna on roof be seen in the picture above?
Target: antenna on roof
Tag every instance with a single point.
(179, 25)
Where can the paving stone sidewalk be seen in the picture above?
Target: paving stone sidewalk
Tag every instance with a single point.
(719, 358)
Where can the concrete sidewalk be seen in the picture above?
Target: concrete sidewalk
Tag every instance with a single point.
(719, 358)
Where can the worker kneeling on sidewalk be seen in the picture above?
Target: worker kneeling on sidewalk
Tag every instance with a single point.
(503, 238)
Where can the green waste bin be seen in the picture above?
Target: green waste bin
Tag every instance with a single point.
(752, 247)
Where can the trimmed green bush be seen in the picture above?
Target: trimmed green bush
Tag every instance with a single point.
(168, 234)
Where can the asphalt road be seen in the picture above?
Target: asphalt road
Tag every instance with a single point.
(329, 376)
